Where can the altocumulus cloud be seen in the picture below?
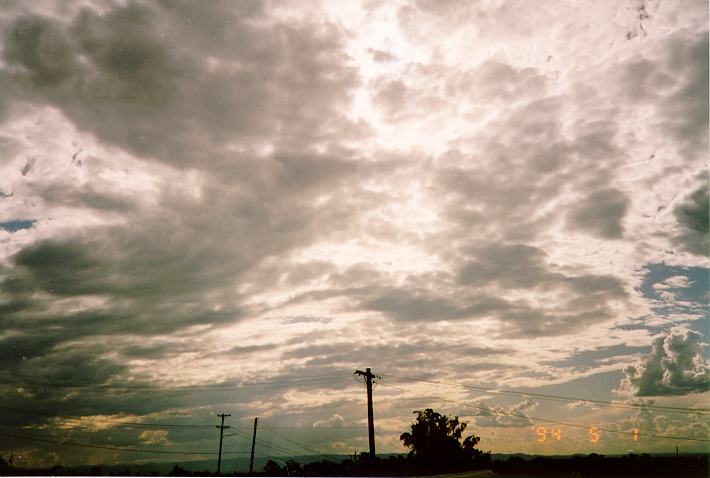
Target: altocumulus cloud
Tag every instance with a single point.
(230, 192)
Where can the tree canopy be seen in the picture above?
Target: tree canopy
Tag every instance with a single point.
(436, 441)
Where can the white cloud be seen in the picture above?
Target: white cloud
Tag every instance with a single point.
(676, 282)
(154, 437)
(676, 366)
(514, 416)
(333, 421)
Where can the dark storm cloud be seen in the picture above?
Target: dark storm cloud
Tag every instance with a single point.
(76, 380)
(600, 214)
(70, 366)
(160, 81)
(16, 348)
(693, 217)
(677, 365)
(40, 373)
(42, 48)
(157, 276)
(137, 76)
(63, 268)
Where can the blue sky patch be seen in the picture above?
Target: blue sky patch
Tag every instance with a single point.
(589, 358)
(17, 224)
(676, 289)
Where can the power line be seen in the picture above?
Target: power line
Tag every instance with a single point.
(547, 420)
(111, 422)
(267, 443)
(286, 448)
(159, 425)
(271, 445)
(225, 386)
(305, 447)
(307, 428)
(542, 396)
(302, 446)
(127, 424)
(114, 448)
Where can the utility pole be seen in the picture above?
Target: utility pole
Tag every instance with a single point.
(221, 434)
(253, 442)
(370, 418)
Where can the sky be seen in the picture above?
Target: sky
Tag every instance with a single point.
(230, 207)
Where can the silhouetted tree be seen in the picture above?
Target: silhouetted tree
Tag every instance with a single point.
(293, 468)
(179, 471)
(437, 444)
(272, 468)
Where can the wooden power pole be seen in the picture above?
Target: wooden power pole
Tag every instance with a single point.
(221, 434)
(370, 416)
(253, 442)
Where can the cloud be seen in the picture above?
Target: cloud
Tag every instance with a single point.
(42, 49)
(668, 289)
(676, 366)
(515, 416)
(694, 426)
(333, 421)
(252, 199)
(692, 217)
(118, 75)
(154, 437)
(601, 214)
(673, 282)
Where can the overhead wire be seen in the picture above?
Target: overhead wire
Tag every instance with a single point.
(112, 422)
(312, 379)
(270, 445)
(224, 386)
(115, 448)
(286, 448)
(547, 420)
(542, 396)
